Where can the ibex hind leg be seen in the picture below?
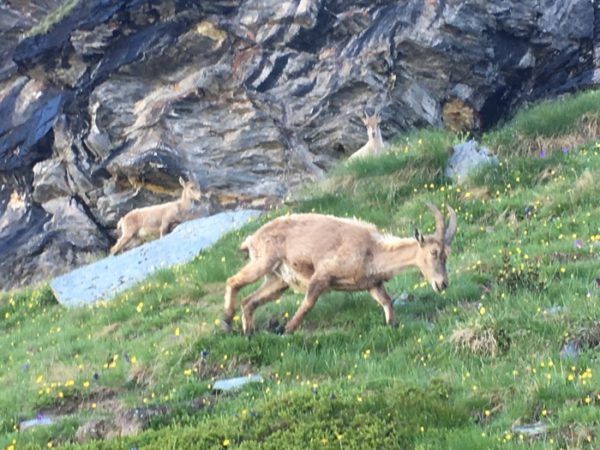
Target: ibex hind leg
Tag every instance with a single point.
(315, 288)
(121, 243)
(251, 272)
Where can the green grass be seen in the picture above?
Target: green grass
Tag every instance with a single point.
(45, 25)
(524, 265)
(572, 120)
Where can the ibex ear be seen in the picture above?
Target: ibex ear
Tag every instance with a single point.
(419, 237)
(365, 118)
(181, 181)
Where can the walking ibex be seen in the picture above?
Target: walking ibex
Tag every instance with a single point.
(316, 253)
(375, 143)
(154, 221)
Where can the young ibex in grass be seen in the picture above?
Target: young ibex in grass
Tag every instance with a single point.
(315, 253)
(375, 143)
(154, 221)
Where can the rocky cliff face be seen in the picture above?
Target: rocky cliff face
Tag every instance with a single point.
(105, 103)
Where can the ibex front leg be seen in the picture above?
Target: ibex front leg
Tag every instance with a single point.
(270, 290)
(252, 272)
(382, 297)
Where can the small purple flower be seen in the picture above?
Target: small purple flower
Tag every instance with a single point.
(25, 366)
(578, 243)
(542, 153)
(204, 354)
(598, 282)
(565, 150)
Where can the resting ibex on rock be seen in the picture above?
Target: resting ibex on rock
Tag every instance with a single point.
(317, 253)
(154, 221)
(375, 143)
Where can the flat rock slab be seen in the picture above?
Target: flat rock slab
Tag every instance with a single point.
(236, 383)
(104, 279)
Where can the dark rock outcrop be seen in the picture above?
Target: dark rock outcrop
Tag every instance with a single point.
(105, 109)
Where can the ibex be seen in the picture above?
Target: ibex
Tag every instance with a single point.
(317, 253)
(375, 143)
(154, 221)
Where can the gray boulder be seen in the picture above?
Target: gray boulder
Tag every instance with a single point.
(466, 158)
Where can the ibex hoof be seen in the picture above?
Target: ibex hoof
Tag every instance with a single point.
(276, 326)
(225, 326)
(289, 330)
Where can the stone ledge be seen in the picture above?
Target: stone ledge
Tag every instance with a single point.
(104, 279)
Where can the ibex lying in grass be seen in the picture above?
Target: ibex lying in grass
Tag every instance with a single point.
(316, 253)
(375, 143)
(154, 221)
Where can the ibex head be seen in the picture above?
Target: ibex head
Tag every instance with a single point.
(190, 189)
(372, 124)
(434, 249)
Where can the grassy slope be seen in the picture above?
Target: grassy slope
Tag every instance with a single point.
(523, 267)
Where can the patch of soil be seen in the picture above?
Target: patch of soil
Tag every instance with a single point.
(125, 423)
(203, 402)
(485, 341)
(132, 421)
(140, 376)
(96, 429)
(583, 339)
(482, 416)
(205, 368)
(73, 403)
(563, 256)
(107, 330)
(579, 435)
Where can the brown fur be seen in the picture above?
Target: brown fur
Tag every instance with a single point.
(375, 143)
(316, 253)
(154, 221)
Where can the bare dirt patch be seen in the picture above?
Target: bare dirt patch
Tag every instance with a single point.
(102, 398)
(205, 369)
(125, 423)
(480, 340)
(107, 330)
(586, 130)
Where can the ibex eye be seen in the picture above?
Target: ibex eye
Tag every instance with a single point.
(434, 253)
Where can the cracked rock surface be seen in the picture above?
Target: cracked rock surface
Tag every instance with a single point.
(103, 110)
